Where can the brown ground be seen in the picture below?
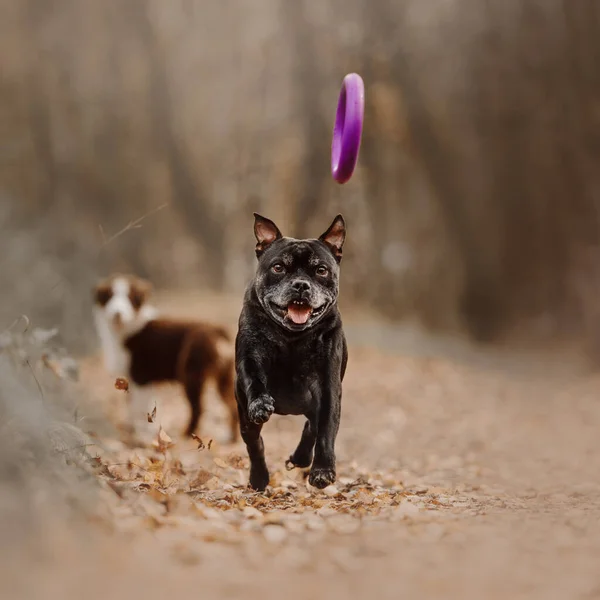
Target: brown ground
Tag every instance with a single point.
(462, 474)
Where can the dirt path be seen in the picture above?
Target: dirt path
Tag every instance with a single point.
(465, 476)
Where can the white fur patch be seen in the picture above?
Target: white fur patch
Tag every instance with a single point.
(113, 335)
(120, 305)
(116, 358)
(121, 286)
(147, 313)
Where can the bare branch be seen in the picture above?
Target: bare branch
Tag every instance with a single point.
(37, 382)
(131, 225)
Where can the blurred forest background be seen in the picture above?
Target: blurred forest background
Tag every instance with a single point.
(474, 207)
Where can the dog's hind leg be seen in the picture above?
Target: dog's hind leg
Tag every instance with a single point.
(194, 385)
(225, 387)
(322, 472)
(303, 455)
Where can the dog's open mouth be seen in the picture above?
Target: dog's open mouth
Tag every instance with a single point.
(299, 312)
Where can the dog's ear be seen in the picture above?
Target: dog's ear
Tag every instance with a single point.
(102, 293)
(139, 292)
(144, 288)
(334, 237)
(266, 233)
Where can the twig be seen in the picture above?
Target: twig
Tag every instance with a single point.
(131, 225)
(57, 284)
(65, 450)
(23, 318)
(126, 464)
(36, 380)
(76, 417)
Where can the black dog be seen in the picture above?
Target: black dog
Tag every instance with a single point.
(291, 351)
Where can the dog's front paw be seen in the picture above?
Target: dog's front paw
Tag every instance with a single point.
(321, 478)
(261, 409)
(259, 478)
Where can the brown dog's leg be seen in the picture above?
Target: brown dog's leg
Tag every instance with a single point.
(194, 385)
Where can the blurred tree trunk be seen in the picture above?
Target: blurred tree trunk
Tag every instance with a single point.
(481, 297)
(313, 169)
(478, 172)
(188, 194)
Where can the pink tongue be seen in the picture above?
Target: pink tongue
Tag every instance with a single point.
(298, 314)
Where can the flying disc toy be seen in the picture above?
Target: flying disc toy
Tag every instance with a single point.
(347, 130)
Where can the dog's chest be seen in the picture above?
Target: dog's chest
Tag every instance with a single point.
(293, 381)
(117, 359)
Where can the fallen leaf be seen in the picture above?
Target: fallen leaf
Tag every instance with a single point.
(198, 439)
(236, 461)
(157, 496)
(177, 468)
(220, 462)
(156, 465)
(364, 497)
(163, 442)
(122, 384)
(331, 491)
(142, 487)
(201, 478)
(152, 415)
(214, 483)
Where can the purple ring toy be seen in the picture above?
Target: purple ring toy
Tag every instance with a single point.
(347, 131)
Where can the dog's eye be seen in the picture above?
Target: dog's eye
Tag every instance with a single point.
(278, 268)
(322, 271)
(136, 300)
(103, 296)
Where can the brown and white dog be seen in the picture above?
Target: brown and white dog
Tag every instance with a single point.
(148, 350)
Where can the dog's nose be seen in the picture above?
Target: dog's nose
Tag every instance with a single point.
(300, 285)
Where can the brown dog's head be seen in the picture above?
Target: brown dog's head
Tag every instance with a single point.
(121, 303)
